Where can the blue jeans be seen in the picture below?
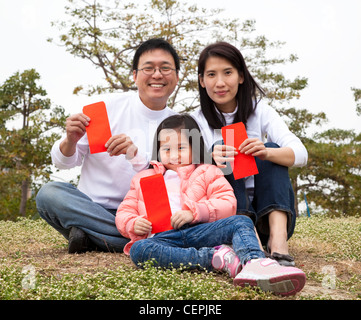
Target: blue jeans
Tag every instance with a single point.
(272, 191)
(193, 246)
(63, 206)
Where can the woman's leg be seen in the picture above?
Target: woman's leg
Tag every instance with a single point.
(277, 241)
(244, 205)
(274, 204)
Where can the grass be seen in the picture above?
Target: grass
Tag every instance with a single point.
(35, 265)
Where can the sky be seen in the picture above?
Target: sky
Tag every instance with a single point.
(324, 34)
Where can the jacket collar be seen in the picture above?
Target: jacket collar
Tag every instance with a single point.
(183, 172)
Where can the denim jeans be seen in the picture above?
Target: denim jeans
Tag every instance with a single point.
(272, 191)
(193, 246)
(63, 206)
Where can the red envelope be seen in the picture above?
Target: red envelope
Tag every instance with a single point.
(244, 165)
(156, 202)
(98, 130)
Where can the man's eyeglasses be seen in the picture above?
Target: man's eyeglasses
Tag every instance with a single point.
(163, 70)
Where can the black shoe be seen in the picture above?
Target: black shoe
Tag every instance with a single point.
(79, 241)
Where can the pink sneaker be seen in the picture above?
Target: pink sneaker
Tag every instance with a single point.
(225, 259)
(270, 276)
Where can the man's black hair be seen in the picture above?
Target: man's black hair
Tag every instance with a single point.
(153, 44)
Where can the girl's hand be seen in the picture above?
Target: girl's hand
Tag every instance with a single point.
(142, 226)
(180, 218)
(223, 153)
(254, 147)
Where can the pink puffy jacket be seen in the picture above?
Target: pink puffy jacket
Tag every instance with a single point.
(204, 191)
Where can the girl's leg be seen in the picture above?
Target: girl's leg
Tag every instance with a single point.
(195, 245)
(168, 249)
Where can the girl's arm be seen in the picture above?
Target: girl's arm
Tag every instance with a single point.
(128, 220)
(220, 201)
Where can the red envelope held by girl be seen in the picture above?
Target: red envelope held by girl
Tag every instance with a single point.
(156, 202)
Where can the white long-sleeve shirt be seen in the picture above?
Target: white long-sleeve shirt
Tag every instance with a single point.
(106, 180)
(265, 124)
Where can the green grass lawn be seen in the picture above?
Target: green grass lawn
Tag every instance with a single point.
(35, 265)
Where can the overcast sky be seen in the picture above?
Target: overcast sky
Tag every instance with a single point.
(324, 34)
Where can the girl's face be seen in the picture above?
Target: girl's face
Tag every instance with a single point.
(175, 150)
(221, 80)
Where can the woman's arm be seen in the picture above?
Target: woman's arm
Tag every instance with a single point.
(284, 156)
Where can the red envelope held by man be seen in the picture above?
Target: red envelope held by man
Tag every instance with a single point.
(98, 130)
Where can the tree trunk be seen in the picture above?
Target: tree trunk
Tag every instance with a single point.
(24, 197)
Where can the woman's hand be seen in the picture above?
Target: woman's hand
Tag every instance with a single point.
(284, 156)
(180, 218)
(254, 147)
(223, 153)
(142, 226)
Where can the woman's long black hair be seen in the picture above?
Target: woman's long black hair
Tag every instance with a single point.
(247, 91)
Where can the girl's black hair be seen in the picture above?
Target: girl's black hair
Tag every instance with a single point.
(191, 129)
(247, 91)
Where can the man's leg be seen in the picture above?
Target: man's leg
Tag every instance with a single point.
(63, 206)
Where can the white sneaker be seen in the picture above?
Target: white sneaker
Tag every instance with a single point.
(270, 276)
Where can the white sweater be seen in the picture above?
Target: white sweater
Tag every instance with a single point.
(106, 180)
(265, 124)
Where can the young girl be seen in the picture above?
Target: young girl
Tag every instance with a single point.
(228, 94)
(203, 217)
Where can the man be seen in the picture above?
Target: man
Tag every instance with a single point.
(86, 215)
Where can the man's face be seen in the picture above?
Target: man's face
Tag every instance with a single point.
(154, 90)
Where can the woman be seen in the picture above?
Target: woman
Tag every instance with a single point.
(228, 94)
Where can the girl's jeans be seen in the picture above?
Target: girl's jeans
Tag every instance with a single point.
(193, 246)
(64, 206)
(273, 191)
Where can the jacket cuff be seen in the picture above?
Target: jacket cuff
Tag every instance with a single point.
(201, 212)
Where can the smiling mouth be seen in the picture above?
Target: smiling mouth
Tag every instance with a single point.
(157, 85)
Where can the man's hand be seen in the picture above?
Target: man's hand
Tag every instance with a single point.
(75, 129)
(180, 218)
(142, 226)
(121, 144)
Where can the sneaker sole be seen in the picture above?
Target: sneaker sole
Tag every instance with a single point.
(285, 285)
(218, 263)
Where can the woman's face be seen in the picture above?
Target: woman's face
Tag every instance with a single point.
(221, 80)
